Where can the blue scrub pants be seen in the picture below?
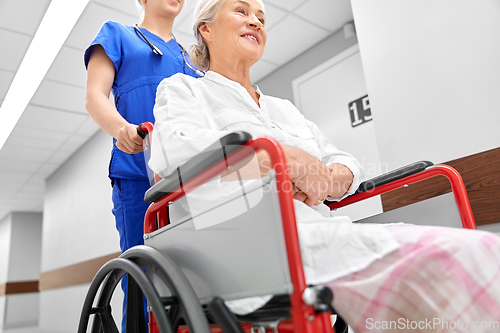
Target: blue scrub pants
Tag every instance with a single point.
(129, 209)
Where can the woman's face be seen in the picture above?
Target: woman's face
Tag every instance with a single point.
(168, 8)
(239, 31)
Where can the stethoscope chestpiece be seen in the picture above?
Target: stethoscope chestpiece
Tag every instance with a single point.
(153, 47)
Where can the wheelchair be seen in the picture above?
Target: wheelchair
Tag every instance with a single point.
(186, 274)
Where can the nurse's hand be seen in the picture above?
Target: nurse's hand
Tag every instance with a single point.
(128, 140)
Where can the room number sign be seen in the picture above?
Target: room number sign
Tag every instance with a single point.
(360, 111)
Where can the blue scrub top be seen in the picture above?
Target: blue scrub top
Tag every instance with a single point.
(138, 73)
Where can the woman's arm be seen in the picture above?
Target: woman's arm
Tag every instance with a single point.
(100, 76)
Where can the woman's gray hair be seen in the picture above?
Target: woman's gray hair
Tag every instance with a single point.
(206, 11)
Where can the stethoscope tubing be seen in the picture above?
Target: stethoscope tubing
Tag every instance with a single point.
(157, 51)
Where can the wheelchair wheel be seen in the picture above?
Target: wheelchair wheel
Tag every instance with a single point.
(182, 301)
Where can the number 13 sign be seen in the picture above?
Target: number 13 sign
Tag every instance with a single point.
(360, 111)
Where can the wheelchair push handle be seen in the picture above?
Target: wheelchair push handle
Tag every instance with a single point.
(144, 128)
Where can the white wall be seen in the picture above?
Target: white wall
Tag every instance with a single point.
(5, 239)
(26, 243)
(20, 243)
(279, 83)
(22, 310)
(5, 235)
(433, 75)
(78, 226)
(323, 96)
(24, 265)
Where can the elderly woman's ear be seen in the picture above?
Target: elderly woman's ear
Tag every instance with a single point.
(205, 32)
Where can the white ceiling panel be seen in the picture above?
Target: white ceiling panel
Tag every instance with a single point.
(126, 6)
(27, 198)
(273, 16)
(88, 128)
(7, 165)
(261, 69)
(4, 196)
(18, 142)
(14, 45)
(32, 14)
(35, 186)
(285, 43)
(6, 78)
(68, 67)
(60, 156)
(13, 174)
(26, 154)
(91, 21)
(12, 186)
(72, 144)
(47, 169)
(331, 15)
(60, 96)
(38, 133)
(48, 119)
(77, 139)
(285, 4)
(27, 203)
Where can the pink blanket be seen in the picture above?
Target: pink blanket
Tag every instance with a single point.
(440, 280)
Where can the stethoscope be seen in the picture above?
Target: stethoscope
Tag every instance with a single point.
(157, 51)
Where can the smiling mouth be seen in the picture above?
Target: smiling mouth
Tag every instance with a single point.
(251, 37)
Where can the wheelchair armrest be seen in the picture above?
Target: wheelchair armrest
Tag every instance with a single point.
(391, 176)
(208, 157)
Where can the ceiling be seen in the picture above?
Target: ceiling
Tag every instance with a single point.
(55, 123)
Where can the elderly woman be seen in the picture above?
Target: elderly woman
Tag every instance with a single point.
(378, 273)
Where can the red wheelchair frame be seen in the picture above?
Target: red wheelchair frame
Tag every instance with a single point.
(304, 319)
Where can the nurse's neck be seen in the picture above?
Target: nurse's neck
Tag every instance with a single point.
(161, 28)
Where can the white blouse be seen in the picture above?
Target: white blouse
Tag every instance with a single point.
(193, 113)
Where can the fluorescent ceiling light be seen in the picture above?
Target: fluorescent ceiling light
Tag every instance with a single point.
(57, 23)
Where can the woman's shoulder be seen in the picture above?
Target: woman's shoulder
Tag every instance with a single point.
(179, 84)
(180, 79)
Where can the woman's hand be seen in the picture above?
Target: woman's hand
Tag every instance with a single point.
(342, 179)
(128, 141)
(312, 179)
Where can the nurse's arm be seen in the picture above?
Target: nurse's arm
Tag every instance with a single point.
(100, 76)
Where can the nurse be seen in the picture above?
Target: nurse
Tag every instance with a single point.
(130, 62)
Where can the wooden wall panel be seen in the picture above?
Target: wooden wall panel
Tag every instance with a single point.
(481, 175)
(20, 287)
(75, 274)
